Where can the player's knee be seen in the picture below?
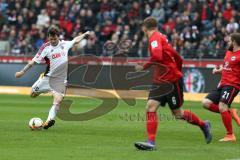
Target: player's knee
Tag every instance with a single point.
(151, 106)
(33, 95)
(58, 100)
(206, 103)
(177, 113)
(223, 107)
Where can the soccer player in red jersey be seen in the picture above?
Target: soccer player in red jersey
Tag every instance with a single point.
(162, 54)
(220, 99)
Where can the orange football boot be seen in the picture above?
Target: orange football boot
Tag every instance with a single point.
(229, 138)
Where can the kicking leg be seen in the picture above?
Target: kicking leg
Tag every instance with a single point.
(40, 86)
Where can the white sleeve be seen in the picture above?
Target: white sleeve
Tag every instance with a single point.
(41, 54)
(69, 44)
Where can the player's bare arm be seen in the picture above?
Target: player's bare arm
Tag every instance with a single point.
(82, 36)
(217, 70)
(25, 69)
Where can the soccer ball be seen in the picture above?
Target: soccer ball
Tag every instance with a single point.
(35, 123)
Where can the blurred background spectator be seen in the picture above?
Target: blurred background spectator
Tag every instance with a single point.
(196, 28)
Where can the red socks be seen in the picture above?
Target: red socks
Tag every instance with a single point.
(214, 108)
(227, 121)
(192, 118)
(152, 124)
(226, 117)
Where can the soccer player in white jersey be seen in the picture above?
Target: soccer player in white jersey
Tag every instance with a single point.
(55, 54)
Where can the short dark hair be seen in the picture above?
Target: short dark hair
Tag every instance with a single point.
(236, 38)
(53, 30)
(150, 23)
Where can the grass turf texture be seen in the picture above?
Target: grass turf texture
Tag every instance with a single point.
(108, 137)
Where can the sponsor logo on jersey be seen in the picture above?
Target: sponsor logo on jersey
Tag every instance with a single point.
(56, 55)
(226, 66)
(154, 44)
(233, 58)
(194, 81)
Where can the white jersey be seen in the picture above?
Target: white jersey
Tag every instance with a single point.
(56, 58)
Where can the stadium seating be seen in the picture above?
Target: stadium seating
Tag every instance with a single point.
(196, 28)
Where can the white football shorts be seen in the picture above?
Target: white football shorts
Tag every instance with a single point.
(46, 84)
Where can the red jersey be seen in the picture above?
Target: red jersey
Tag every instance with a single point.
(162, 53)
(231, 70)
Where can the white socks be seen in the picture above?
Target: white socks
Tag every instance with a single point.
(53, 112)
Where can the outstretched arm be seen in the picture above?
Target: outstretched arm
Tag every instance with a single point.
(25, 69)
(79, 38)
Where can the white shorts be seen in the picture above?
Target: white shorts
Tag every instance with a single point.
(42, 85)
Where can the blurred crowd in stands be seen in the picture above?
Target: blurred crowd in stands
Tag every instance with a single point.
(196, 28)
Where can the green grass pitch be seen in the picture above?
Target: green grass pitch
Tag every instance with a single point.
(109, 137)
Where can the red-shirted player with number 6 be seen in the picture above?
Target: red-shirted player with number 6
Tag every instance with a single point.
(220, 99)
(162, 54)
